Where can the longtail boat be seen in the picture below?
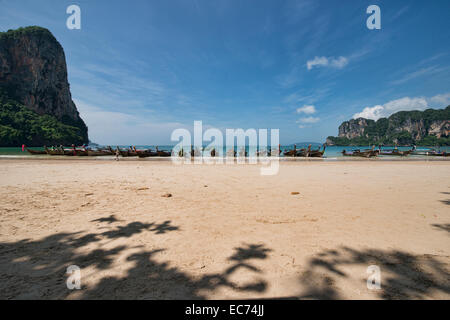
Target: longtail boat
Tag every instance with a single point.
(297, 153)
(127, 153)
(75, 152)
(359, 153)
(98, 153)
(291, 153)
(146, 153)
(394, 152)
(54, 151)
(269, 152)
(162, 153)
(440, 154)
(36, 152)
(354, 153)
(429, 152)
(317, 153)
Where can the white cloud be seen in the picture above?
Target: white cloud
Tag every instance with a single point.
(404, 104)
(307, 109)
(317, 61)
(308, 120)
(441, 100)
(374, 113)
(338, 63)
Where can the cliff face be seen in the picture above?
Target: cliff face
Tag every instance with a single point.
(405, 127)
(33, 72)
(353, 128)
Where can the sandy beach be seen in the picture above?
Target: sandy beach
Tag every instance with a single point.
(226, 232)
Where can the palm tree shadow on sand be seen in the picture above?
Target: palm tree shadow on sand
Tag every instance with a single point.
(36, 269)
(404, 276)
(447, 201)
(443, 227)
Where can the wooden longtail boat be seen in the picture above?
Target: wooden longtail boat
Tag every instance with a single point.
(298, 153)
(394, 152)
(429, 152)
(54, 151)
(75, 152)
(269, 152)
(317, 153)
(440, 154)
(98, 153)
(146, 153)
(127, 153)
(359, 153)
(304, 153)
(355, 153)
(291, 153)
(36, 152)
(423, 152)
(162, 153)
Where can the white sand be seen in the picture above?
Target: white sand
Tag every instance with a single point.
(226, 232)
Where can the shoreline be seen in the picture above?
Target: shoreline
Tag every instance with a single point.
(224, 160)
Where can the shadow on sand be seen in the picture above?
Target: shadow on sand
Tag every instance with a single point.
(37, 269)
(404, 276)
(444, 227)
(447, 202)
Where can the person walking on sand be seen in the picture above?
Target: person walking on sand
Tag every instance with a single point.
(117, 155)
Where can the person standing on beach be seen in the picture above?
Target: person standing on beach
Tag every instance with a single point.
(117, 155)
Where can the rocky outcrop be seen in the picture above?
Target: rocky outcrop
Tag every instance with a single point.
(33, 72)
(440, 129)
(405, 127)
(354, 128)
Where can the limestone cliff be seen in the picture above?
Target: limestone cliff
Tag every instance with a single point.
(427, 127)
(33, 72)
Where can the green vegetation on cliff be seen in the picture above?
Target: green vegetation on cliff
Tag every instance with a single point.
(402, 128)
(20, 125)
(30, 31)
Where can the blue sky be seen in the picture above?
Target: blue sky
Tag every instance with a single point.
(139, 69)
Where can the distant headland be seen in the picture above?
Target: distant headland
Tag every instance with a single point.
(426, 128)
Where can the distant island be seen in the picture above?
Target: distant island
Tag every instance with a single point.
(423, 128)
(36, 106)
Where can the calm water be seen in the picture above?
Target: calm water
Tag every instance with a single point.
(331, 152)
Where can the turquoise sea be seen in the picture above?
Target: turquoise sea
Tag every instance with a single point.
(330, 152)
